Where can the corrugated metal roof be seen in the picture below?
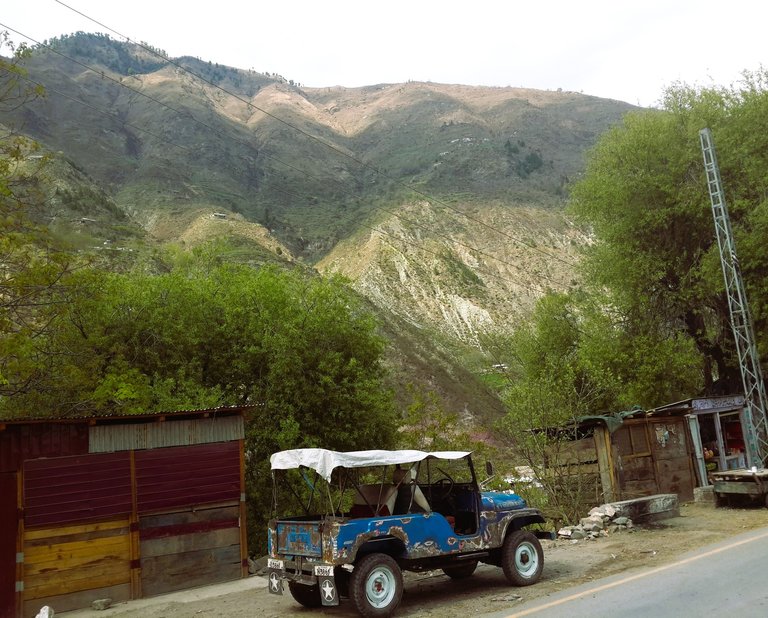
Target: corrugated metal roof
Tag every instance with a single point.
(185, 432)
(715, 403)
(92, 418)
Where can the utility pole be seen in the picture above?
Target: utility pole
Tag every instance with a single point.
(755, 400)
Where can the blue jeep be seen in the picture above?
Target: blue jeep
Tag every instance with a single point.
(389, 511)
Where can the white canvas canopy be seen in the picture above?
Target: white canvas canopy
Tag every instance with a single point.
(324, 461)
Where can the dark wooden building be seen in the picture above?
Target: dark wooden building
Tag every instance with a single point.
(119, 507)
(668, 449)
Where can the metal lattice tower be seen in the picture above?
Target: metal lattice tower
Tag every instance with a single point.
(741, 321)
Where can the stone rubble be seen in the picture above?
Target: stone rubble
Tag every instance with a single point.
(600, 522)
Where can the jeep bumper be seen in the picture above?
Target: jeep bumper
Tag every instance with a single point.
(321, 575)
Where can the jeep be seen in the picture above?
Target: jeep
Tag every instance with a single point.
(385, 512)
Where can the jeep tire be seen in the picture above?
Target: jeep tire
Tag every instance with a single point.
(522, 558)
(376, 585)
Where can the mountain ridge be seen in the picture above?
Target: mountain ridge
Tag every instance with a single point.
(454, 193)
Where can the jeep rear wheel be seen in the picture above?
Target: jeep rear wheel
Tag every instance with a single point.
(376, 585)
(460, 571)
(522, 558)
(308, 596)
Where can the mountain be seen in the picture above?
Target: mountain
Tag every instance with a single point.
(443, 204)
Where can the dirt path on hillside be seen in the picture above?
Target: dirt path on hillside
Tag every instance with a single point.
(567, 563)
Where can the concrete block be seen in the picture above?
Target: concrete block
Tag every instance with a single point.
(649, 508)
(704, 494)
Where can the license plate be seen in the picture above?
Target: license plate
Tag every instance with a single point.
(275, 564)
(324, 571)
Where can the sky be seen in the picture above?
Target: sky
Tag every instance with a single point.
(630, 51)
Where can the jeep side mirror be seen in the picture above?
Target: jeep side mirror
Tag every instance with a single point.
(489, 468)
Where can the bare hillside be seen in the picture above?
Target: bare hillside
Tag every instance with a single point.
(467, 276)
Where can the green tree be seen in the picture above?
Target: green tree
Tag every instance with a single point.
(34, 268)
(645, 197)
(651, 322)
(553, 390)
(204, 332)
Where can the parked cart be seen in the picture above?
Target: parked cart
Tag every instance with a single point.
(730, 483)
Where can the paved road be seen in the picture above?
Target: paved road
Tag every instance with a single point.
(727, 579)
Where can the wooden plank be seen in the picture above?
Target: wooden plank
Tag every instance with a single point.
(741, 474)
(577, 451)
(189, 542)
(85, 536)
(189, 516)
(106, 565)
(668, 440)
(605, 464)
(176, 572)
(637, 469)
(47, 532)
(20, 542)
(75, 548)
(136, 592)
(676, 476)
(637, 489)
(99, 574)
(77, 600)
(737, 487)
(62, 558)
(200, 527)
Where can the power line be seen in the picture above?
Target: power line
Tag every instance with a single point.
(106, 113)
(318, 140)
(181, 113)
(187, 115)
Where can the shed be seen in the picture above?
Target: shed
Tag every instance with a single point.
(666, 450)
(718, 429)
(630, 455)
(120, 507)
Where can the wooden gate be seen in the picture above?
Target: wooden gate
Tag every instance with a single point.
(77, 544)
(674, 466)
(189, 516)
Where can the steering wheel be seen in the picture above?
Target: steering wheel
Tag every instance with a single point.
(444, 485)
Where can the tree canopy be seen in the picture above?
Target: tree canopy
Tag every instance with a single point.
(650, 324)
(645, 196)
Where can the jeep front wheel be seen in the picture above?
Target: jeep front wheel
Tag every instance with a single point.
(376, 585)
(522, 558)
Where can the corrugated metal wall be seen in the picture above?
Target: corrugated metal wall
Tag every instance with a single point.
(76, 489)
(170, 489)
(173, 478)
(31, 441)
(136, 436)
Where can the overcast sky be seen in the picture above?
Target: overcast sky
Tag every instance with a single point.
(614, 48)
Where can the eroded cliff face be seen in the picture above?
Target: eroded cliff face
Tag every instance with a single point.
(466, 275)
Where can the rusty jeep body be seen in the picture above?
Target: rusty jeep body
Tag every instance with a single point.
(389, 511)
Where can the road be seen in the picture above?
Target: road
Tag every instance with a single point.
(724, 579)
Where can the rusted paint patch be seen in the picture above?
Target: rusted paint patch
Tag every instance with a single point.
(299, 538)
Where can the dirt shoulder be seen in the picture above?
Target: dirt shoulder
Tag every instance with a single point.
(567, 563)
